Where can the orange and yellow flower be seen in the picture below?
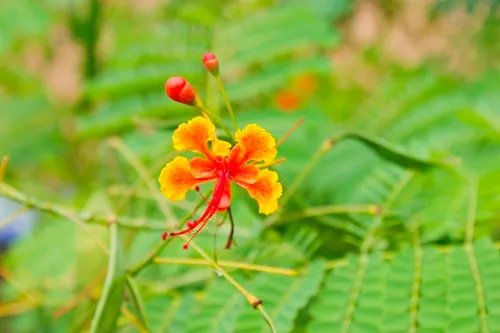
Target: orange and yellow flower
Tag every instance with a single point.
(223, 163)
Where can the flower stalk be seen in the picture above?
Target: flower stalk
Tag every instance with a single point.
(211, 63)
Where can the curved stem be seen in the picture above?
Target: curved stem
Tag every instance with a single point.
(267, 318)
(226, 100)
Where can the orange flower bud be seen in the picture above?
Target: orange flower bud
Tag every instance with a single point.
(179, 90)
(211, 63)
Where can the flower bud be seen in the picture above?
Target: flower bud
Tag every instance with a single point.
(179, 90)
(211, 63)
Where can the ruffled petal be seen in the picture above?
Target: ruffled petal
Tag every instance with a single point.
(266, 190)
(258, 144)
(194, 135)
(176, 178)
(220, 147)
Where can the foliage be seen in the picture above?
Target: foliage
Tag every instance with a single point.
(389, 218)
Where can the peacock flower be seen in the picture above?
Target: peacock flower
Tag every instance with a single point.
(223, 163)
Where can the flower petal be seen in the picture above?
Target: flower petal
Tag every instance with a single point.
(176, 178)
(266, 190)
(194, 135)
(202, 168)
(246, 174)
(220, 147)
(258, 144)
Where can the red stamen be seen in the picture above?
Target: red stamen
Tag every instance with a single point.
(164, 236)
(197, 189)
(186, 245)
(212, 208)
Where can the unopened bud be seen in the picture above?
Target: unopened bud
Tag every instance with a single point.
(179, 90)
(211, 63)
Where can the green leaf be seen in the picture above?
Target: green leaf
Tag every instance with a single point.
(391, 152)
(448, 295)
(219, 309)
(109, 305)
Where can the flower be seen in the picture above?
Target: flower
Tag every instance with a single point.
(223, 163)
(211, 63)
(179, 90)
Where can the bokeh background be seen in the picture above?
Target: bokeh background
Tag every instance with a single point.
(422, 75)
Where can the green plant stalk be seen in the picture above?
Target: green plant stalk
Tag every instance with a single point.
(82, 217)
(12, 216)
(11, 193)
(228, 264)
(226, 100)
(267, 318)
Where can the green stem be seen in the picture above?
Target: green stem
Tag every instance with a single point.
(12, 217)
(43, 206)
(226, 100)
(218, 122)
(266, 317)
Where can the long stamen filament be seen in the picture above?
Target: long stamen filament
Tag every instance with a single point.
(265, 165)
(209, 212)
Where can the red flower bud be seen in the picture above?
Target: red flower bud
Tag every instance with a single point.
(211, 63)
(179, 90)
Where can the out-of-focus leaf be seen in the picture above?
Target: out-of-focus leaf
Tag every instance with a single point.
(391, 152)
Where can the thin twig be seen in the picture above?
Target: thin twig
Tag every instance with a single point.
(13, 216)
(266, 317)
(11, 193)
(228, 264)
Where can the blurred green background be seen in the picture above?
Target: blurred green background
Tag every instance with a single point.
(419, 80)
